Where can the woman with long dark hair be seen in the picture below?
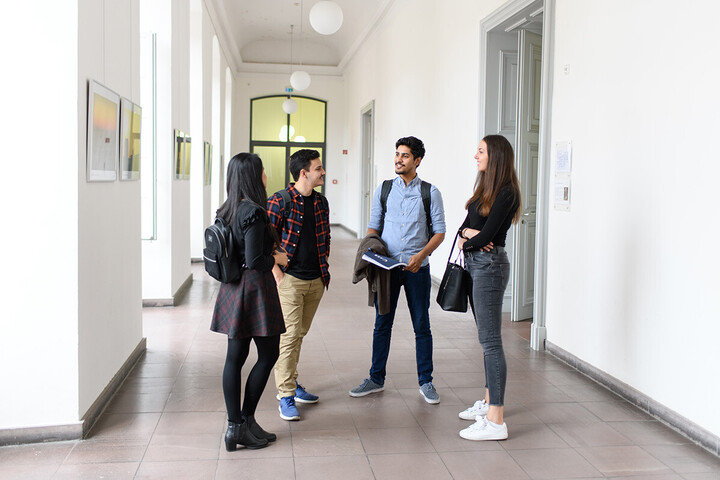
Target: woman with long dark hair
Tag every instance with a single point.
(493, 207)
(249, 309)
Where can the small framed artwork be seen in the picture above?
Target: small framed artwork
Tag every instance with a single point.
(186, 157)
(103, 133)
(130, 120)
(179, 142)
(207, 157)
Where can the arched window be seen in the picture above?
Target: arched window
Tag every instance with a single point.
(275, 135)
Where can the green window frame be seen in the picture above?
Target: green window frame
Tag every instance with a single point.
(268, 122)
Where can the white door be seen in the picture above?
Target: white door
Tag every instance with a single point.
(501, 104)
(527, 141)
(367, 168)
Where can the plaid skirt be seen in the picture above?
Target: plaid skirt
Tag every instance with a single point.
(250, 308)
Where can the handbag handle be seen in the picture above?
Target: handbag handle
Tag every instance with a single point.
(458, 259)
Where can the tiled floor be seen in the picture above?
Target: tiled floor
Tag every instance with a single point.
(169, 418)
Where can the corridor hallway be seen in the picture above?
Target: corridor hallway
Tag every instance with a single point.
(168, 419)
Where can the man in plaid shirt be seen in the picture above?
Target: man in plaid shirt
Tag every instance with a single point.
(305, 234)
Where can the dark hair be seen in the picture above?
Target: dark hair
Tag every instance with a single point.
(415, 145)
(300, 160)
(500, 172)
(244, 182)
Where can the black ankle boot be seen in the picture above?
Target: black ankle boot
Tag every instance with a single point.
(257, 430)
(239, 434)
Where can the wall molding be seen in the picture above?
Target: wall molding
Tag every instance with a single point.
(175, 300)
(81, 429)
(674, 420)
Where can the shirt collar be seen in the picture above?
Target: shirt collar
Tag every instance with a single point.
(415, 181)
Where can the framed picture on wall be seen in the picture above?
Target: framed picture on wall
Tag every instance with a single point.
(186, 157)
(179, 152)
(207, 157)
(103, 133)
(130, 121)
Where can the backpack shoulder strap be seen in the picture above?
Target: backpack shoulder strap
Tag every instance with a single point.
(384, 192)
(425, 193)
(286, 203)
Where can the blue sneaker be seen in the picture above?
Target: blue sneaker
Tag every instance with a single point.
(288, 410)
(303, 396)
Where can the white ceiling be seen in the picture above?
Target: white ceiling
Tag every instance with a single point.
(255, 34)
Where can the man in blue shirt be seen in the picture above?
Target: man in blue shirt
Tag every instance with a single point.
(405, 232)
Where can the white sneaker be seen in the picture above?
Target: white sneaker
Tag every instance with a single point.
(483, 429)
(479, 409)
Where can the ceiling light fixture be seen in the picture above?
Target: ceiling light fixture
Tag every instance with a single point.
(300, 80)
(326, 17)
(290, 106)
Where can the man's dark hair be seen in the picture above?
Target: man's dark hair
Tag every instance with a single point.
(414, 144)
(300, 160)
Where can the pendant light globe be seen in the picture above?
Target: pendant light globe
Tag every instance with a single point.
(326, 17)
(289, 106)
(300, 80)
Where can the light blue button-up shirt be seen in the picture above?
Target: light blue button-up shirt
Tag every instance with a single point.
(405, 231)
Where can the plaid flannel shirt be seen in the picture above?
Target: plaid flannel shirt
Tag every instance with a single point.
(290, 231)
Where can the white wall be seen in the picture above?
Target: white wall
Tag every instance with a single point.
(73, 310)
(166, 260)
(109, 288)
(421, 67)
(39, 186)
(632, 268)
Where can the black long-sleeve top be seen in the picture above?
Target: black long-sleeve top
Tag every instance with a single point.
(494, 227)
(253, 237)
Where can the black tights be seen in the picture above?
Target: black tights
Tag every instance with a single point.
(238, 349)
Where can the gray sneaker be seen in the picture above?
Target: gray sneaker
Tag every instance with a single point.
(429, 393)
(366, 388)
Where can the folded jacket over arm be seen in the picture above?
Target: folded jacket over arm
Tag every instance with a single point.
(378, 278)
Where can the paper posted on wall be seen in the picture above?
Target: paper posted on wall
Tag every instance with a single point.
(382, 261)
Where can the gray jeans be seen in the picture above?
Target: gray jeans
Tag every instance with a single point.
(490, 272)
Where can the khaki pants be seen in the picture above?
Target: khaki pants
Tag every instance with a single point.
(299, 300)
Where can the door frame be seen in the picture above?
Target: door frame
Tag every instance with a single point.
(367, 167)
(538, 331)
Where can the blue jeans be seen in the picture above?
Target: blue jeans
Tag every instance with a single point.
(490, 272)
(417, 292)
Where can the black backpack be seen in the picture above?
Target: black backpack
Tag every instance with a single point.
(221, 261)
(424, 193)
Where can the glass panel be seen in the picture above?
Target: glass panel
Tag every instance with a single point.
(268, 119)
(148, 170)
(308, 122)
(320, 151)
(274, 161)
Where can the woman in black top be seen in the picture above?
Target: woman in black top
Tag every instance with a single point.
(250, 309)
(493, 207)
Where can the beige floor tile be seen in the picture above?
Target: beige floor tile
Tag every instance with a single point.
(649, 433)
(447, 439)
(616, 411)
(686, 459)
(356, 467)
(554, 464)
(105, 451)
(181, 470)
(594, 435)
(395, 440)
(319, 443)
(485, 465)
(427, 466)
(53, 453)
(183, 446)
(625, 460)
(531, 436)
(256, 469)
(116, 471)
(27, 471)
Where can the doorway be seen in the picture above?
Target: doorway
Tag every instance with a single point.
(512, 107)
(368, 125)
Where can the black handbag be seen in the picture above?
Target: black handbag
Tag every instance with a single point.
(455, 285)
